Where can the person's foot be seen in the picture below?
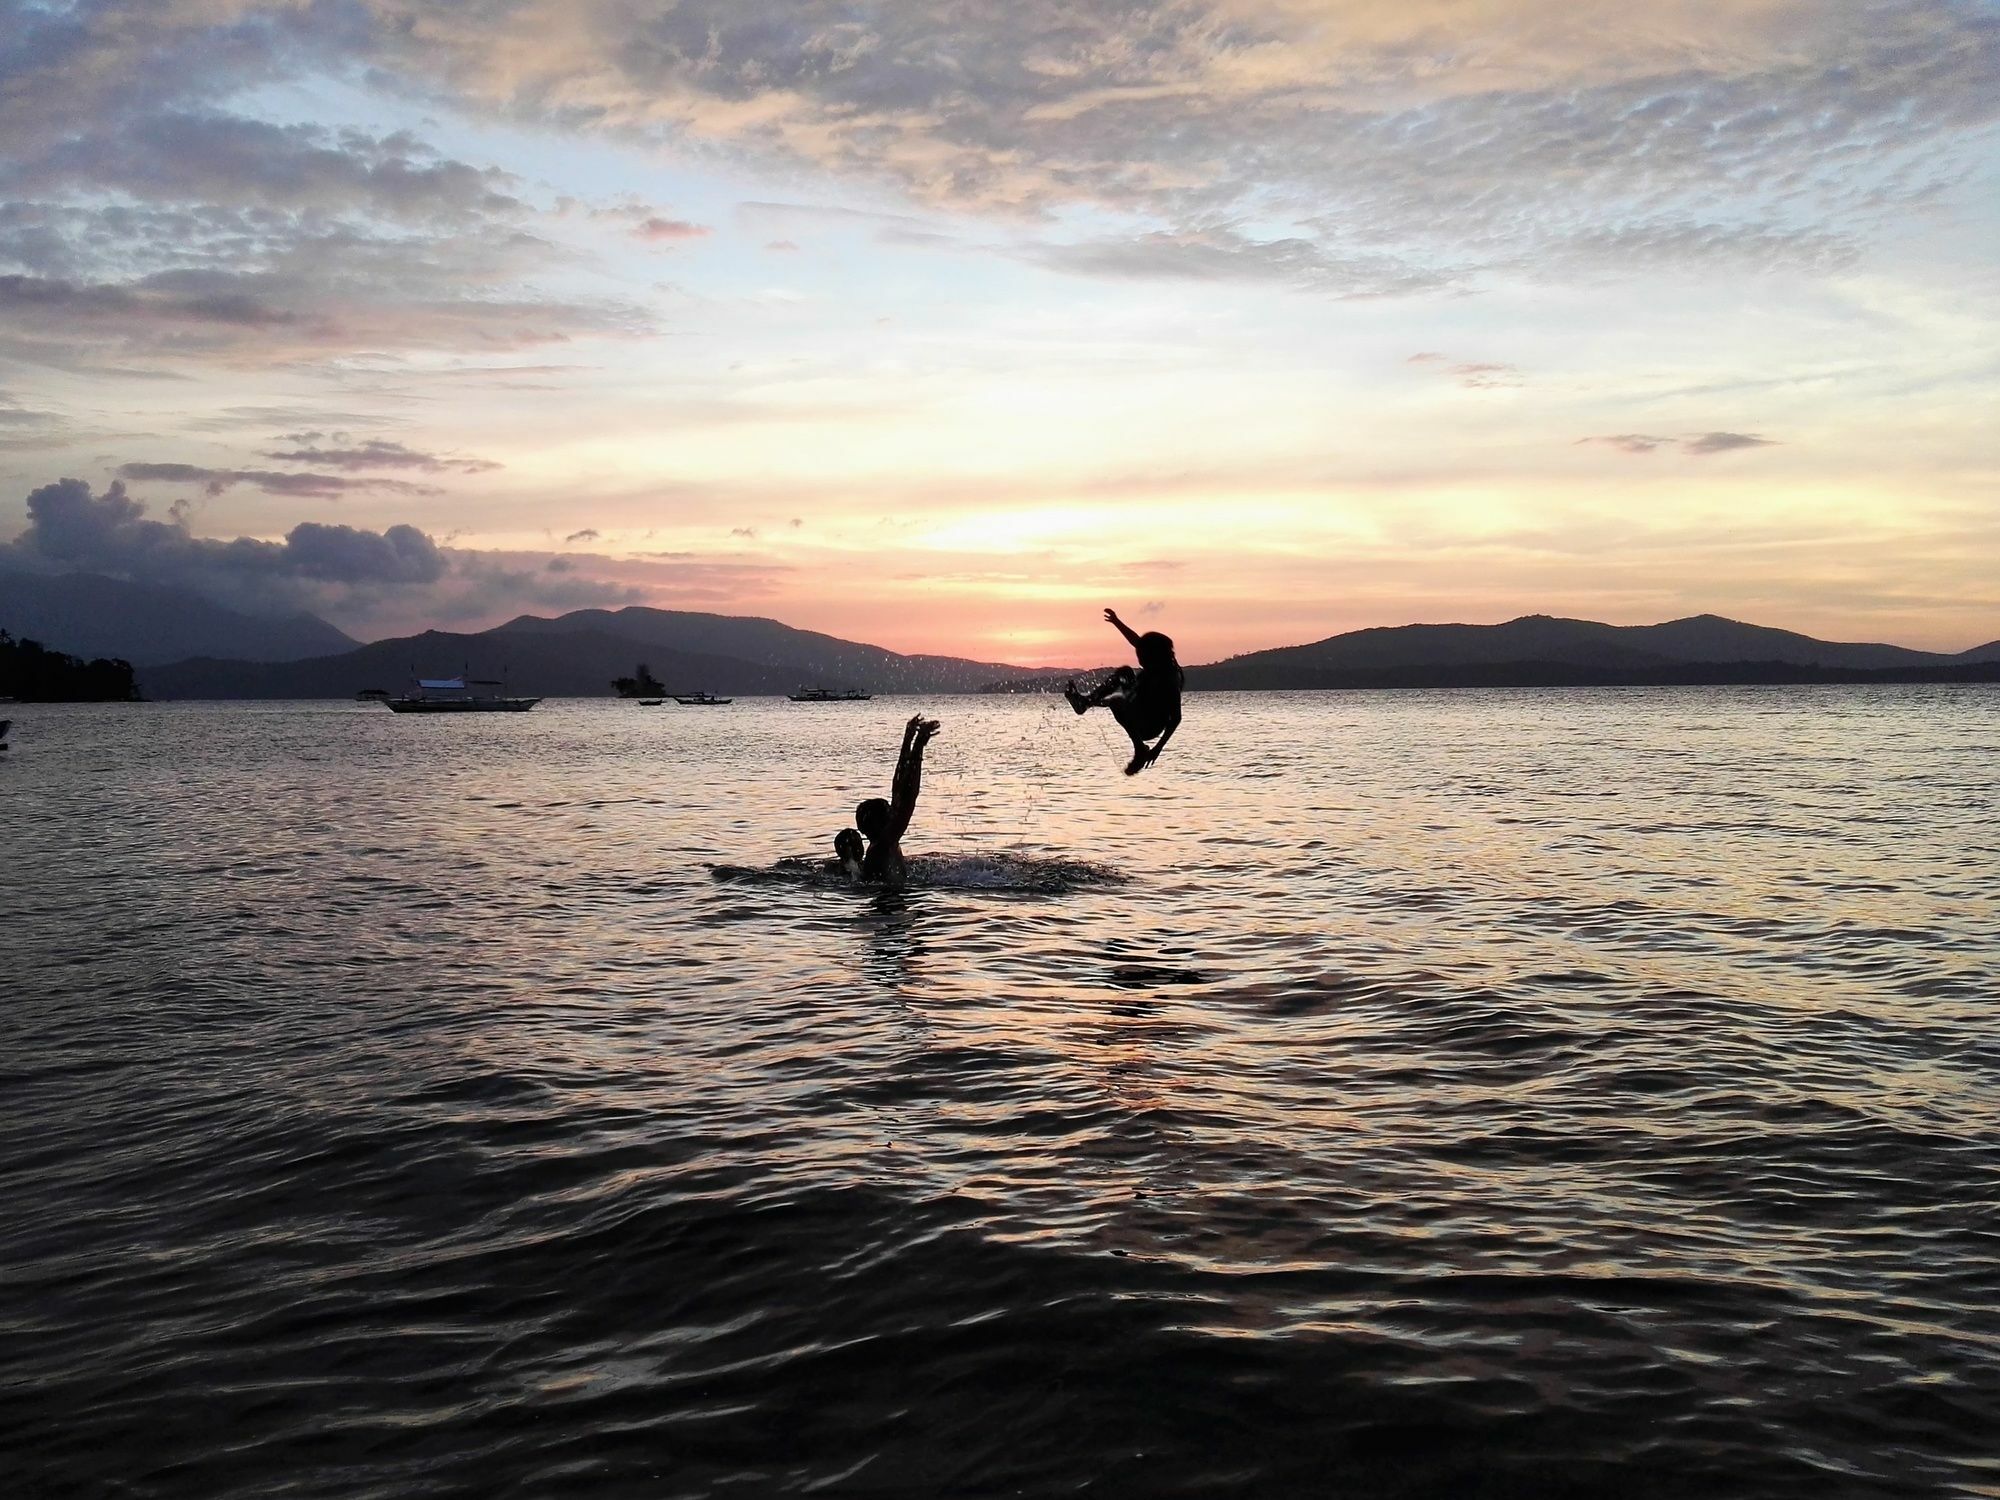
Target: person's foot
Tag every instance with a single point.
(1139, 761)
(1076, 700)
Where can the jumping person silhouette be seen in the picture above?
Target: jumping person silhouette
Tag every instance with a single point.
(884, 821)
(1146, 702)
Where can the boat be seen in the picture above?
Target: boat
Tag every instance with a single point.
(372, 695)
(829, 695)
(701, 700)
(651, 702)
(459, 695)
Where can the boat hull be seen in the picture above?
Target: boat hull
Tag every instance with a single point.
(469, 706)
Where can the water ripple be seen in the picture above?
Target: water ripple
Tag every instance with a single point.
(1388, 1094)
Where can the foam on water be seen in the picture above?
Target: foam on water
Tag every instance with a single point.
(1005, 872)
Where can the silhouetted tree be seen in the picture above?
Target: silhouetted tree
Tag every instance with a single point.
(34, 674)
(644, 685)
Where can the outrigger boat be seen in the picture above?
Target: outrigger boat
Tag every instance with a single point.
(459, 695)
(701, 700)
(829, 695)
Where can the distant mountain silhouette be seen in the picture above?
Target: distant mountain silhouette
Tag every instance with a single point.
(810, 657)
(1712, 638)
(581, 654)
(1541, 650)
(147, 623)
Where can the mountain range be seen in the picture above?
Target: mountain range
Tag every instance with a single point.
(146, 624)
(578, 655)
(1538, 650)
(191, 648)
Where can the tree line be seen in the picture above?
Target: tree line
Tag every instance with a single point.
(33, 673)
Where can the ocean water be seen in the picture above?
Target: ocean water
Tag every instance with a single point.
(1399, 1094)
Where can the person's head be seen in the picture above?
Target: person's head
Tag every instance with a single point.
(847, 849)
(1155, 650)
(872, 817)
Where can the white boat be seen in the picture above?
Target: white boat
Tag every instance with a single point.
(829, 695)
(459, 695)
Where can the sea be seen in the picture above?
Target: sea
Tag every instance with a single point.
(1471, 1093)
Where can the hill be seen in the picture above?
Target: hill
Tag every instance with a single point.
(582, 653)
(809, 656)
(1544, 650)
(147, 623)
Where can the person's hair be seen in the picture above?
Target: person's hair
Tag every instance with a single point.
(872, 815)
(1156, 650)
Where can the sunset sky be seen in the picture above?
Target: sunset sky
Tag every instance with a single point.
(944, 325)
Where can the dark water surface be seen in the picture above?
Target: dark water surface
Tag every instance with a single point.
(1561, 1093)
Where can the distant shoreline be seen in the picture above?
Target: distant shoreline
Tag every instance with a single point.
(1223, 679)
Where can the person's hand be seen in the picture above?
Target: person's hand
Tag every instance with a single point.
(1112, 616)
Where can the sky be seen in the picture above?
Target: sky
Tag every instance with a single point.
(945, 325)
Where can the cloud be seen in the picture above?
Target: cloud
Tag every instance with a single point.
(181, 156)
(400, 575)
(1698, 445)
(192, 236)
(328, 297)
(68, 523)
(670, 229)
(270, 481)
(1630, 442)
(1724, 442)
(1486, 376)
(377, 453)
(759, 215)
(1220, 253)
(13, 414)
(1437, 136)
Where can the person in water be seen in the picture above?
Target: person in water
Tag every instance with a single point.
(884, 821)
(1146, 702)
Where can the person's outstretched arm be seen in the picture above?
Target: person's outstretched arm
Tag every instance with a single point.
(1123, 629)
(909, 773)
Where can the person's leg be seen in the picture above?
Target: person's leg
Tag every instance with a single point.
(1131, 715)
(1114, 688)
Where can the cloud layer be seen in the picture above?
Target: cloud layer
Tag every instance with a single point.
(352, 574)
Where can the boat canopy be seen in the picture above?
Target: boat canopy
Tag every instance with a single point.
(440, 682)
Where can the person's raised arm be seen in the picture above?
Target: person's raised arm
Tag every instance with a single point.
(1123, 629)
(909, 773)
